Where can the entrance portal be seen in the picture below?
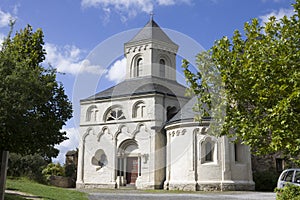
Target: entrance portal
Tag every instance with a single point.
(132, 170)
(129, 165)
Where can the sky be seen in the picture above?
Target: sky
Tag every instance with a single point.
(84, 38)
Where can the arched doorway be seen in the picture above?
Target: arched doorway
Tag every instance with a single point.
(129, 162)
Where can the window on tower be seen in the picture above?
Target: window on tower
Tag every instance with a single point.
(162, 68)
(138, 68)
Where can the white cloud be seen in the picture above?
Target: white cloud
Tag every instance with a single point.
(68, 59)
(276, 1)
(67, 145)
(5, 18)
(129, 8)
(278, 14)
(172, 2)
(2, 36)
(117, 72)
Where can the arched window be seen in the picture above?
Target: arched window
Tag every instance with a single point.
(138, 110)
(138, 70)
(238, 152)
(92, 113)
(115, 114)
(208, 151)
(171, 112)
(162, 68)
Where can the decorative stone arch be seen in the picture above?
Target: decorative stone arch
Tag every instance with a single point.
(92, 113)
(102, 132)
(208, 150)
(120, 131)
(138, 128)
(89, 131)
(119, 113)
(81, 164)
(136, 68)
(138, 109)
(129, 147)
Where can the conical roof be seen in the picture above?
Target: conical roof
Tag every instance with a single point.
(151, 31)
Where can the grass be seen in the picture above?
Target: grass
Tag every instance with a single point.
(42, 191)
(13, 197)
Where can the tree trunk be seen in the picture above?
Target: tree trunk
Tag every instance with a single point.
(4, 161)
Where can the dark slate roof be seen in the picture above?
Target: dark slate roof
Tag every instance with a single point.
(186, 113)
(151, 31)
(138, 86)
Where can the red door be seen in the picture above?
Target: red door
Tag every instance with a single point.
(132, 170)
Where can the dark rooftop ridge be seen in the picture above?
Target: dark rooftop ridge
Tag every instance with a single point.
(151, 31)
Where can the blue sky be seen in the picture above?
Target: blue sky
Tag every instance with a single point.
(74, 28)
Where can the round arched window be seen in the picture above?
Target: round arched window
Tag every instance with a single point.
(162, 68)
(139, 67)
(115, 114)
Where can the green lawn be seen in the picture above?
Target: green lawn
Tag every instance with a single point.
(43, 191)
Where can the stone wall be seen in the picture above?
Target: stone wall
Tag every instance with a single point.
(60, 181)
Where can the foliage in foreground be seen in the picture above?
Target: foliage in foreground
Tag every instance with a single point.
(53, 169)
(265, 180)
(33, 104)
(260, 74)
(289, 192)
(30, 166)
(44, 191)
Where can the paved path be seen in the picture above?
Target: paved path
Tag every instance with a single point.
(134, 195)
(22, 194)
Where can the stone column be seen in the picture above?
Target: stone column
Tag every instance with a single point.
(226, 165)
(168, 158)
(80, 165)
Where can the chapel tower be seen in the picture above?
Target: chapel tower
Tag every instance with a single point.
(151, 53)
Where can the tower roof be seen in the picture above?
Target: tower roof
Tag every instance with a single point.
(151, 31)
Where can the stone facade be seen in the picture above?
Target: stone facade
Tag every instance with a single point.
(139, 133)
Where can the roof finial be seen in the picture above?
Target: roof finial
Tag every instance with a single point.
(151, 15)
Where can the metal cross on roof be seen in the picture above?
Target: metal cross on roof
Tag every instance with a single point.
(151, 15)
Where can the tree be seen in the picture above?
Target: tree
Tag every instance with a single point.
(33, 105)
(260, 73)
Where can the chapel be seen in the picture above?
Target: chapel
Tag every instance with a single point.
(142, 133)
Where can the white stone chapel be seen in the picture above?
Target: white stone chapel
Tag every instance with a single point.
(142, 132)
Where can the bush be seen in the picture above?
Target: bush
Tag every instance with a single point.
(265, 180)
(53, 169)
(289, 192)
(30, 166)
(70, 170)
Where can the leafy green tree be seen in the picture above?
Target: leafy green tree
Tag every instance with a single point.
(33, 105)
(260, 73)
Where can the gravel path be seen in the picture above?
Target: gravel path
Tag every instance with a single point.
(134, 195)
